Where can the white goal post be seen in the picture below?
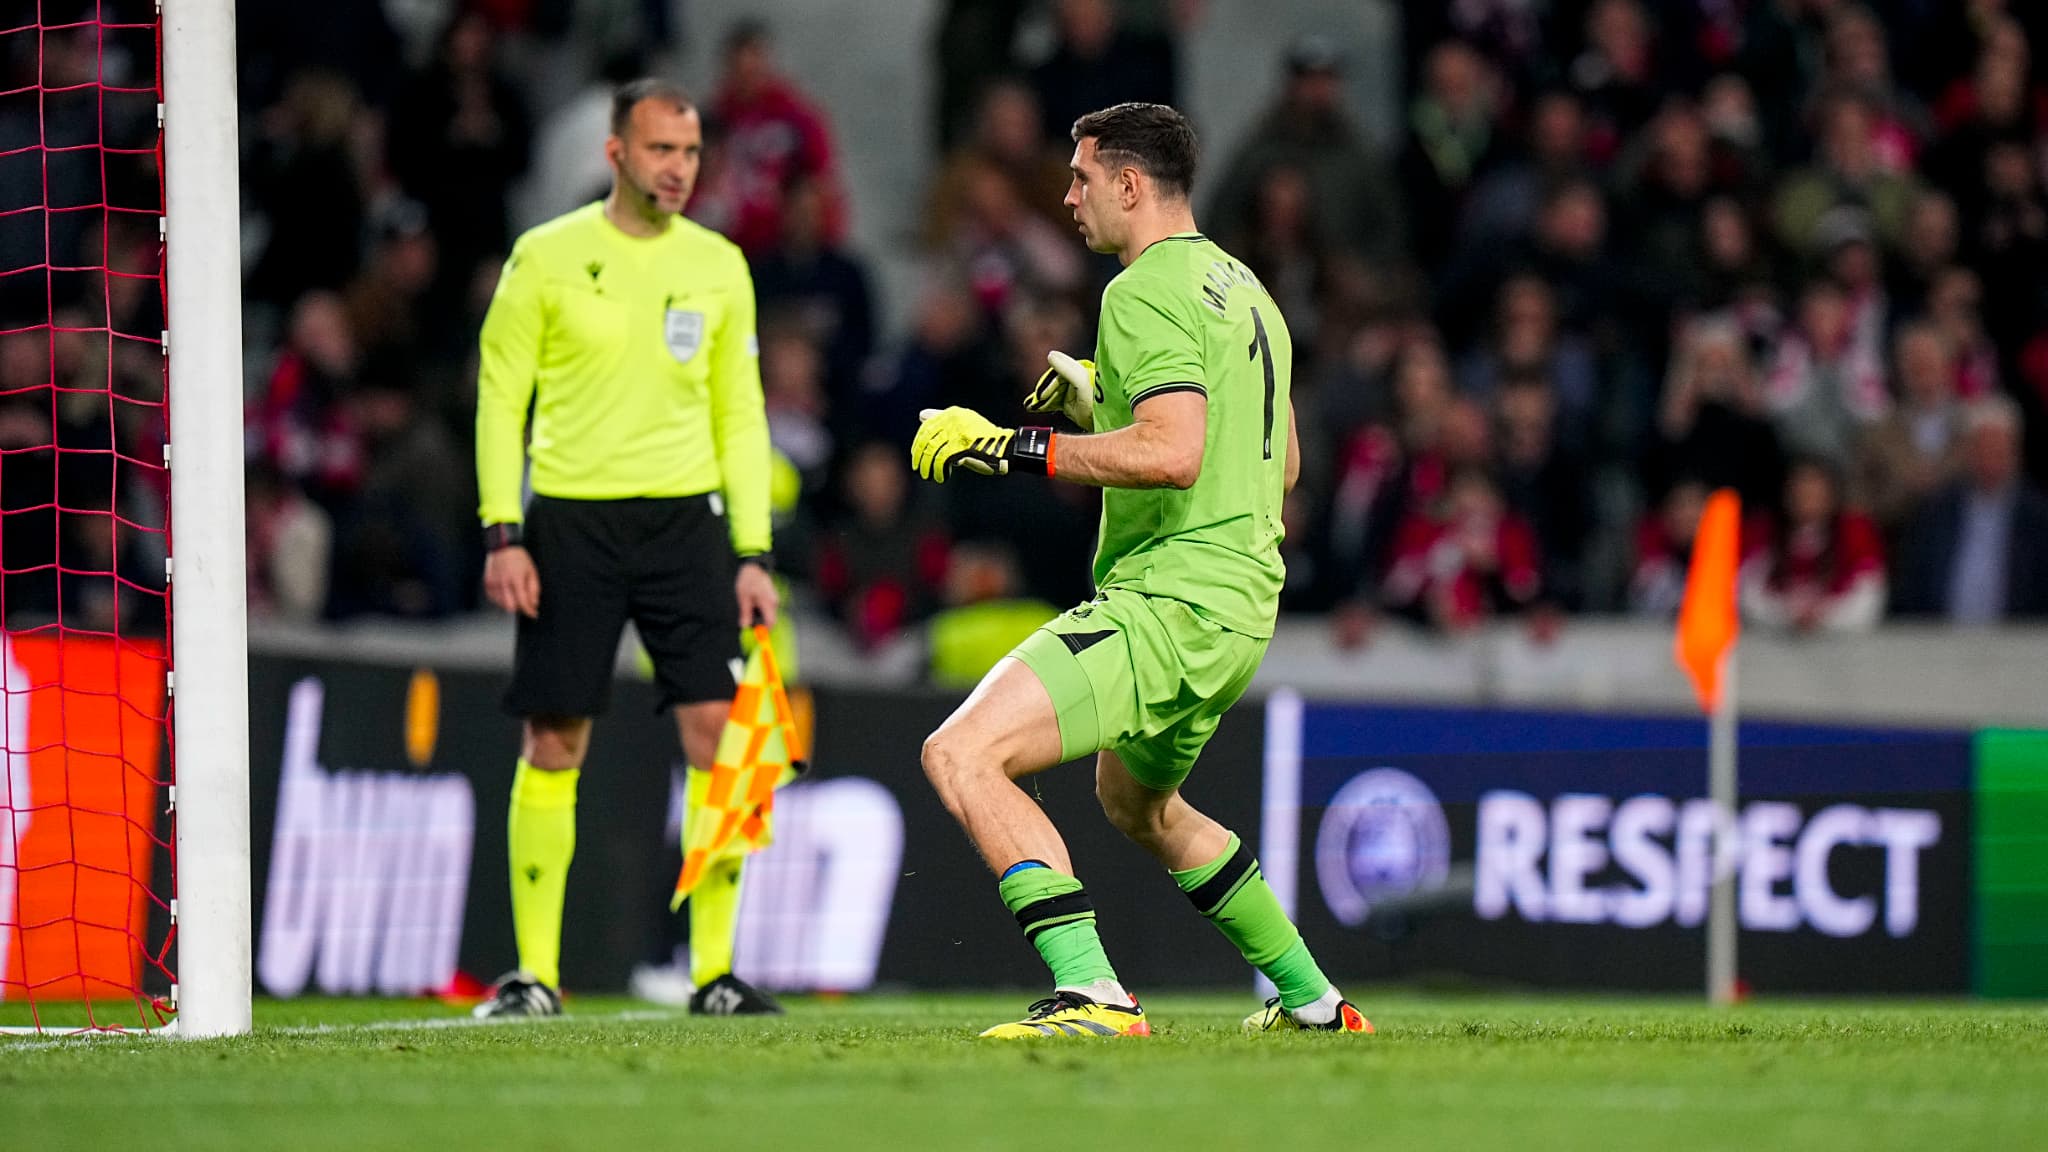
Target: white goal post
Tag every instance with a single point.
(209, 621)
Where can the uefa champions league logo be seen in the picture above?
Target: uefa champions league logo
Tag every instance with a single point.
(1383, 834)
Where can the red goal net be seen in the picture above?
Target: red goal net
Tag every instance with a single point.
(86, 914)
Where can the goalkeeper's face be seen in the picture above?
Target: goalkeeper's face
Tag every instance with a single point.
(655, 161)
(1100, 199)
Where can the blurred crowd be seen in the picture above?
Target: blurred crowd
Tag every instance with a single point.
(1618, 254)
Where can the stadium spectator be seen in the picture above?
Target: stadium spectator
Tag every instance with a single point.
(302, 425)
(1451, 137)
(1286, 248)
(882, 563)
(972, 43)
(400, 324)
(822, 288)
(289, 547)
(1526, 340)
(794, 391)
(1552, 150)
(1465, 561)
(1814, 564)
(1955, 303)
(1003, 250)
(1977, 551)
(1009, 137)
(1918, 447)
(403, 544)
(1712, 426)
(1095, 63)
(1823, 388)
(1543, 480)
(771, 135)
(460, 138)
(1352, 200)
(1663, 551)
(2011, 240)
(1933, 242)
(1382, 471)
(307, 181)
(568, 154)
(1858, 60)
(1848, 173)
(945, 356)
(1616, 74)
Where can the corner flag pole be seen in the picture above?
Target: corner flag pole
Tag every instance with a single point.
(1721, 789)
(1708, 628)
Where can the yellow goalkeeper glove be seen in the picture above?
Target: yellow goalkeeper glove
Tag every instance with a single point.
(964, 438)
(1068, 386)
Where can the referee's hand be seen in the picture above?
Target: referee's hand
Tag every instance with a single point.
(755, 590)
(512, 582)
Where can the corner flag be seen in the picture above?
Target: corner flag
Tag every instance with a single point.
(757, 753)
(1707, 621)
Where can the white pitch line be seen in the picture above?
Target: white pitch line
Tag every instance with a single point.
(55, 1039)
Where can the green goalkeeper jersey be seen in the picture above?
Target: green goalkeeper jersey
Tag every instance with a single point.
(1186, 316)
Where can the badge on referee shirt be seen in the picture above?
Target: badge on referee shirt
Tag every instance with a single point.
(684, 331)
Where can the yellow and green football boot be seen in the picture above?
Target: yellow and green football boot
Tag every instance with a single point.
(1071, 1014)
(1273, 1017)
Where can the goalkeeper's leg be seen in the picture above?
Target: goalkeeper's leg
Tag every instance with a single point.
(1224, 882)
(1009, 728)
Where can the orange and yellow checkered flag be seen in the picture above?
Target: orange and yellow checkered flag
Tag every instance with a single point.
(731, 808)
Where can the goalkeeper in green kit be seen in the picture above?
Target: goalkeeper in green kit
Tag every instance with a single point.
(1190, 433)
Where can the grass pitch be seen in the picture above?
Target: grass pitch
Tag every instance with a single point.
(906, 1073)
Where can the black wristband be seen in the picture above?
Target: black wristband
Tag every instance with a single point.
(766, 561)
(506, 535)
(1031, 450)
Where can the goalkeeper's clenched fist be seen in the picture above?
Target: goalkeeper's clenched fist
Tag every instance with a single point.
(962, 437)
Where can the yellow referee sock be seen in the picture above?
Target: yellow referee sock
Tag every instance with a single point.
(714, 921)
(542, 837)
(714, 902)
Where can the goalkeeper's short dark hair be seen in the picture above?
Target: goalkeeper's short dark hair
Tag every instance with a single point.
(1154, 138)
(633, 93)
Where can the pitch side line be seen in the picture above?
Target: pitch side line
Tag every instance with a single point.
(55, 1038)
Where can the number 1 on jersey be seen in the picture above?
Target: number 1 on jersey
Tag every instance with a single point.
(1264, 352)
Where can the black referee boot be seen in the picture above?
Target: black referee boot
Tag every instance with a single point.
(518, 994)
(731, 996)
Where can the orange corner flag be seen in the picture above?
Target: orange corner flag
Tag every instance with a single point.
(1707, 622)
(731, 808)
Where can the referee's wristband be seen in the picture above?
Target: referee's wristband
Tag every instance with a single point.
(509, 534)
(765, 560)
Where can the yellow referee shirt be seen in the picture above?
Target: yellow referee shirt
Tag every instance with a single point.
(639, 360)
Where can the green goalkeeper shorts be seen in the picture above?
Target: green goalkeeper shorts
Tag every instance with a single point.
(1143, 676)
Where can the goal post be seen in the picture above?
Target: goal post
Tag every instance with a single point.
(209, 622)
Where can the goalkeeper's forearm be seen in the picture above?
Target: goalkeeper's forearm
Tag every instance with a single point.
(1162, 448)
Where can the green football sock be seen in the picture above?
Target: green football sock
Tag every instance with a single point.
(1059, 920)
(542, 837)
(1232, 892)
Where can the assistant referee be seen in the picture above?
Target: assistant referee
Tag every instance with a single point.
(628, 332)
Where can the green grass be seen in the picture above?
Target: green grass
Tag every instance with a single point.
(898, 1072)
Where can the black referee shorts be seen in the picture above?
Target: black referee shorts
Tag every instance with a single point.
(665, 563)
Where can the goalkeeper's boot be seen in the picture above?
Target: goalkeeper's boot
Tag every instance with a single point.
(731, 996)
(1067, 1013)
(1273, 1018)
(519, 994)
